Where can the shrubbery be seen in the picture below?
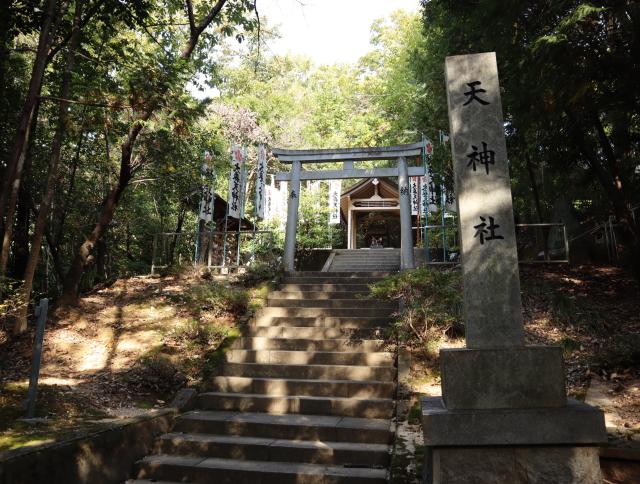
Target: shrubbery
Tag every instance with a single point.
(218, 298)
(430, 304)
(259, 273)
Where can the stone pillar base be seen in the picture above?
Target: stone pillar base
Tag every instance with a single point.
(513, 446)
(513, 465)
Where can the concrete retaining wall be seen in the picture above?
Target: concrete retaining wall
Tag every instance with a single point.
(102, 457)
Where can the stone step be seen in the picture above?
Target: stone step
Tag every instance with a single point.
(365, 260)
(308, 344)
(297, 404)
(207, 470)
(337, 275)
(360, 312)
(333, 303)
(310, 372)
(314, 388)
(328, 278)
(315, 332)
(310, 357)
(318, 295)
(324, 287)
(376, 257)
(276, 450)
(392, 250)
(390, 268)
(291, 427)
(344, 322)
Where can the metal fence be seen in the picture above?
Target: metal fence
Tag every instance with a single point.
(536, 243)
(213, 249)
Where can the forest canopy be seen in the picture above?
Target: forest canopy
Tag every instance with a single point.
(103, 123)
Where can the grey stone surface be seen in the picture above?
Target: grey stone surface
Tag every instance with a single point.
(185, 399)
(527, 377)
(406, 238)
(102, 457)
(514, 465)
(292, 217)
(492, 306)
(576, 424)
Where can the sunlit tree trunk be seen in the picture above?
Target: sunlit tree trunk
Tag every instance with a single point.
(15, 164)
(84, 257)
(52, 177)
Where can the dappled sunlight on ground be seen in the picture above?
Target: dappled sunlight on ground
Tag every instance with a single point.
(121, 351)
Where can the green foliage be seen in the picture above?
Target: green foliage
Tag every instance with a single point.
(563, 307)
(569, 345)
(566, 72)
(217, 298)
(12, 299)
(199, 333)
(430, 303)
(259, 273)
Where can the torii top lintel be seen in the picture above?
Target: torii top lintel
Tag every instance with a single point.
(348, 154)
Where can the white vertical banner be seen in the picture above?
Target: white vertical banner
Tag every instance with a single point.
(207, 203)
(268, 203)
(414, 183)
(424, 195)
(431, 192)
(450, 200)
(244, 180)
(208, 197)
(428, 148)
(235, 182)
(314, 186)
(261, 181)
(335, 188)
(283, 202)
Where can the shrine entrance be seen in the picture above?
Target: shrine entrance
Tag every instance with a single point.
(393, 212)
(371, 210)
(377, 230)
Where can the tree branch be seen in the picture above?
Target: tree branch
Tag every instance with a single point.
(90, 13)
(192, 21)
(199, 28)
(86, 102)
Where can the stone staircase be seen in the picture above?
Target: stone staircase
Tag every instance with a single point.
(363, 260)
(307, 396)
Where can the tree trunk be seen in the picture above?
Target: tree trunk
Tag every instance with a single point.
(614, 187)
(174, 241)
(101, 258)
(536, 199)
(84, 256)
(13, 172)
(21, 238)
(52, 177)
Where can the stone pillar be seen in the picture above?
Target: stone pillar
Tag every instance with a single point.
(349, 225)
(292, 218)
(406, 240)
(504, 415)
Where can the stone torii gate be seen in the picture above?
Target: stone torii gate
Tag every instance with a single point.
(348, 156)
